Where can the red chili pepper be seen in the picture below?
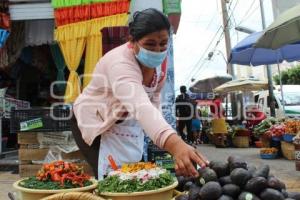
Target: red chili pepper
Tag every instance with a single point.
(112, 163)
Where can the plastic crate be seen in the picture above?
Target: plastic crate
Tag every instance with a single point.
(53, 119)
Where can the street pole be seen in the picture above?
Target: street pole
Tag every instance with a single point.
(269, 69)
(230, 68)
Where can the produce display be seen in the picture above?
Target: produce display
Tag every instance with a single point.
(269, 150)
(264, 126)
(277, 130)
(136, 177)
(234, 180)
(57, 175)
(292, 126)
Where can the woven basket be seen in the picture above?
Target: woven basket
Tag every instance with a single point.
(241, 141)
(73, 196)
(288, 150)
(220, 140)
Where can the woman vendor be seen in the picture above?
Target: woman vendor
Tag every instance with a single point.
(123, 99)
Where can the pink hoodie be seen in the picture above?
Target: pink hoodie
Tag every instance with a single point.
(116, 88)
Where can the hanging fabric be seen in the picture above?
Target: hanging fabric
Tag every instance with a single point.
(113, 37)
(94, 41)
(172, 6)
(16, 41)
(60, 66)
(38, 32)
(3, 37)
(75, 14)
(72, 41)
(69, 3)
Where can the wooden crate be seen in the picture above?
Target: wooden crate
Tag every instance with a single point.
(31, 151)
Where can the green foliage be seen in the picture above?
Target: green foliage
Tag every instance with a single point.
(34, 183)
(115, 184)
(289, 77)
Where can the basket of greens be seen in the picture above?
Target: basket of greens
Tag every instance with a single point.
(138, 181)
(54, 178)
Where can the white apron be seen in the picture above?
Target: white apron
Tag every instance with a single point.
(124, 141)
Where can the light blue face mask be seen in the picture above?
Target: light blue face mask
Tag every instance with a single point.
(151, 59)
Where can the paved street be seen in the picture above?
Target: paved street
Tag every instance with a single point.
(283, 169)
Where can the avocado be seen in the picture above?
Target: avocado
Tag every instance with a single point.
(182, 197)
(181, 183)
(211, 191)
(225, 180)
(285, 193)
(256, 185)
(221, 169)
(240, 176)
(231, 190)
(248, 196)
(206, 175)
(263, 171)
(271, 194)
(236, 162)
(225, 197)
(212, 163)
(251, 169)
(194, 193)
(276, 184)
(294, 195)
(188, 185)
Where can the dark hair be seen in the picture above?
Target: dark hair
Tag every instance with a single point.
(182, 89)
(146, 22)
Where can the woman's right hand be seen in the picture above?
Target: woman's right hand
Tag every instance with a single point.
(185, 156)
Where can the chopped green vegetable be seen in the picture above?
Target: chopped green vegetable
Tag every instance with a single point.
(115, 184)
(33, 183)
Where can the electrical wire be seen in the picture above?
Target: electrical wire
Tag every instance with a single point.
(205, 52)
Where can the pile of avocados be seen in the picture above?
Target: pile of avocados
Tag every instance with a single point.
(234, 180)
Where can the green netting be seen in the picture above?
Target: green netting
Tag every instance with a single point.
(68, 3)
(172, 6)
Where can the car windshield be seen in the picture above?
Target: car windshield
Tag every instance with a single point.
(290, 98)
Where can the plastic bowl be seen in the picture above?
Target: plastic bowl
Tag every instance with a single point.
(288, 137)
(165, 193)
(268, 156)
(32, 194)
(276, 139)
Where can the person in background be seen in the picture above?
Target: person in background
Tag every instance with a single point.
(216, 107)
(122, 101)
(184, 114)
(196, 128)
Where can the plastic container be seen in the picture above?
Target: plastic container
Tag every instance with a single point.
(288, 137)
(268, 156)
(32, 194)
(53, 119)
(276, 139)
(165, 193)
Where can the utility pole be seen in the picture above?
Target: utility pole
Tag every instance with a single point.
(269, 69)
(230, 68)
